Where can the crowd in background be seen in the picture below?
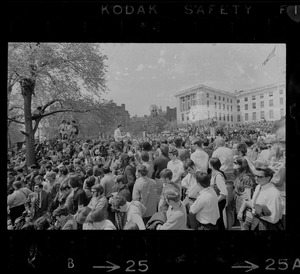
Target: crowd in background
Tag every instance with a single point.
(186, 180)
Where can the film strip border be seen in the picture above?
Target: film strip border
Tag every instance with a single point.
(152, 21)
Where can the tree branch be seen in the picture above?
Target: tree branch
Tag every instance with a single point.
(65, 110)
(36, 125)
(16, 121)
(50, 103)
(12, 108)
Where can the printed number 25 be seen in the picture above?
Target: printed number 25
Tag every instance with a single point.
(282, 264)
(142, 263)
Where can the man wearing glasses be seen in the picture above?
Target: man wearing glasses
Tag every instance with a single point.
(266, 202)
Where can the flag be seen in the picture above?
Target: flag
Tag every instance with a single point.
(272, 54)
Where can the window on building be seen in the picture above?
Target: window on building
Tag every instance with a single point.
(231, 118)
(207, 95)
(281, 101)
(230, 100)
(262, 104)
(271, 103)
(253, 97)
(281, 91)
(187, 117)
(219, 97)
(246, 106)
(215, 105)
(215, 97)
(183, 104)
(223, 106)
(271, 114)
(224, 117)
(224, 99)
(254, 105)
(262, 115)
(220, 116)
(261, 96)
(231, 108)
(246, 116)
(281, 112)
(219, 105)
(182, 117)
(254, 116)
(246, 99)
(238, 108)
(238, 101)
(188, 105)
(227, 100)
(238, 118)
(228, 117)
(227, 107)
(270, 93)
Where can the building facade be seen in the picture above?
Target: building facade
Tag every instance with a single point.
(200, 103)
(264, 103)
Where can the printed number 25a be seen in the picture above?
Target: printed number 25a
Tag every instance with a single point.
(143, 266)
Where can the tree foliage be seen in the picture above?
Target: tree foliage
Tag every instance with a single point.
(55, 76)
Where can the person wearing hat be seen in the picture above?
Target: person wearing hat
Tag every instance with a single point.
(16, 201)
(266, 203)
(64, 220)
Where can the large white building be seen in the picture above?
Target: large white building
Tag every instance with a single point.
(201, 102)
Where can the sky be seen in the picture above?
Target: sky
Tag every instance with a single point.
(142, 74)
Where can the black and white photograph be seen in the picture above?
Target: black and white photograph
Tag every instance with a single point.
(146, 136)
(169, 125)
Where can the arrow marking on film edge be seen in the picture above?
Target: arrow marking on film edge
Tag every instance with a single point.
(112, 266)
(250, 267)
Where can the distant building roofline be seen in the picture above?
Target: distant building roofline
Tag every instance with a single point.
(235, 93)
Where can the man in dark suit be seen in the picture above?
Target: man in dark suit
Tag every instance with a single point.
(39, 201)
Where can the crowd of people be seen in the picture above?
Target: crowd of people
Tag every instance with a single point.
(191, 181)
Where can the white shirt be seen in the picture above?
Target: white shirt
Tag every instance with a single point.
(200, 159)
(189, 182)
(103, 225)
(219, 180)
(206, 207)
(118, 135)
(177, 168)
(264, 156)
(269, 196)
(225, 155)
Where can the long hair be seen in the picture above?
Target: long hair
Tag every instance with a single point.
(216, 164)
(244, 167)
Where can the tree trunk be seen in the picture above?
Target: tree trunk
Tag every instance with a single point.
(30, 153)
(27, 88)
